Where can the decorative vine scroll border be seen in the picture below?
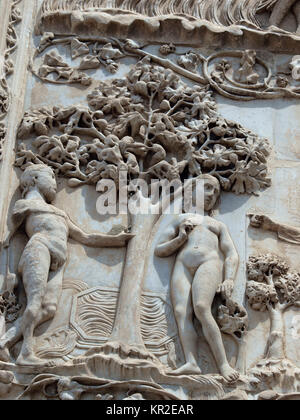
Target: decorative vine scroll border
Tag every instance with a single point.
(8, 68)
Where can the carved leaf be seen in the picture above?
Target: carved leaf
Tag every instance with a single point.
(78, 48)
(89, 62)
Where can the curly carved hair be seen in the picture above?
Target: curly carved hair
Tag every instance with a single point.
(30, 175)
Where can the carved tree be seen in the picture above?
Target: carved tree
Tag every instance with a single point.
(274, 288)
(153, 126)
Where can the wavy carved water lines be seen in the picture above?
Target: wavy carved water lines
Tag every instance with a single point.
(96, 312)
(220, 12)
(58, 343)
(154, 315)
(94, 316)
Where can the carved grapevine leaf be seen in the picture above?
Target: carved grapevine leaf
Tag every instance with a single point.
(37, 121)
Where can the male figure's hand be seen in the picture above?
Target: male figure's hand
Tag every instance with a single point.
(124, 237)
(261, 221)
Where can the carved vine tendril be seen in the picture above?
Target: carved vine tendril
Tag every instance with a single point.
(8, 68)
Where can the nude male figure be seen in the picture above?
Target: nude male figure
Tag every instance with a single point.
(198, 274)
(44, 257)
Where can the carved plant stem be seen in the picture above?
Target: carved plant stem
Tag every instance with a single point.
(150, 117)
(172, 66)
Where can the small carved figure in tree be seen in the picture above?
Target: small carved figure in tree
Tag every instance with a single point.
(43, 260)
(197, 276)
(246, 73)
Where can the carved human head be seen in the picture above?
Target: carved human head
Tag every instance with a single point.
(212, 191)
(207, 185)
(40, 177)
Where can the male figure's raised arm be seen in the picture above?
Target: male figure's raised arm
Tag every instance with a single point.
(17, 220)
(98, 240)
(285, 232)
(231, 262)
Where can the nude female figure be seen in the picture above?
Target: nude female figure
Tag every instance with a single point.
(199, 273)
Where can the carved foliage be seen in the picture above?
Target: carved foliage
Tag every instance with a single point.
(273, 287)
(239, 75)
(245, 76)
(151, 124)
(9, 308)
(271, 282)
(233, 319)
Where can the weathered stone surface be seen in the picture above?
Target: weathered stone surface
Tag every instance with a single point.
(109, 292)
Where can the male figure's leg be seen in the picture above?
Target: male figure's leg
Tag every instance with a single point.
(183, 310)
(205, 284)
(48, 310)
(52, 296)
(35, 272)
(49, 307)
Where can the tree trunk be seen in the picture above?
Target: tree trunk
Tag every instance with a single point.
(127, 328)
(127, 325)
(276, 344)
(242, 354)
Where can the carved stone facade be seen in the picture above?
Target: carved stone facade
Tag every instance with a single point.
(117, 283)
